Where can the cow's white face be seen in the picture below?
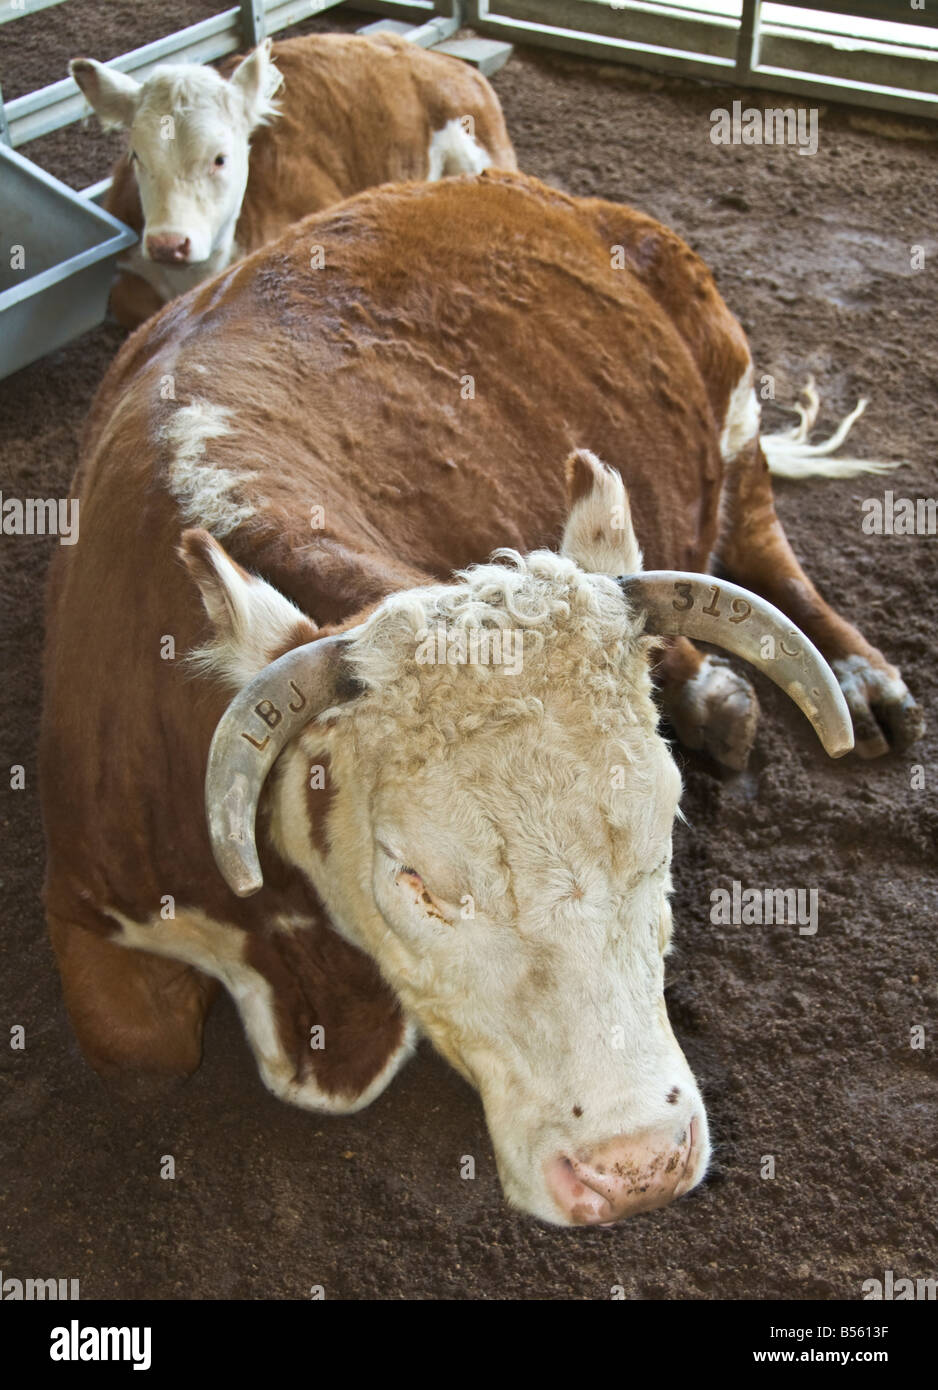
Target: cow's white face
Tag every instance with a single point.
(521, 877)
(189, 133)
(499, 840)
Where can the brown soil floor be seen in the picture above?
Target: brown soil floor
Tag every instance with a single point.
(801, 1043)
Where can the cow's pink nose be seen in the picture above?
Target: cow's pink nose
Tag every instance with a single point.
(167, 246)
(627, 1174)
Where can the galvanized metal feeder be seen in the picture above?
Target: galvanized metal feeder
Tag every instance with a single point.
(57, 262)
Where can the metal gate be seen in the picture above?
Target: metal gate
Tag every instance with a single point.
(241, 26)
(874, 53)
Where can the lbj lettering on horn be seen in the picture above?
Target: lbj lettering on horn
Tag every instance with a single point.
(269, 713)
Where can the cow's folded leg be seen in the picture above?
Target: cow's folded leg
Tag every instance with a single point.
(326, 1032)
(710, 705)
(755, 552)
(341, 1035)
(134, 1014)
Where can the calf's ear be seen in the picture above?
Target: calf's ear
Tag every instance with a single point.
(253, 624)
(598, 535)
(256, 80)
(112, 94)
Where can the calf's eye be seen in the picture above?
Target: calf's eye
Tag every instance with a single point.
(220, 161)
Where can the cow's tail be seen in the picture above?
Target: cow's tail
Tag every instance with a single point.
(789, 455)
(455, 150)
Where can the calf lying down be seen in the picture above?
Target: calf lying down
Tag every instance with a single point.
(219, 163)
(282, 602)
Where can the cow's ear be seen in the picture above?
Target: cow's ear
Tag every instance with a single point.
(113, 95)
(252, 622)
(598, 533)
(256, 80)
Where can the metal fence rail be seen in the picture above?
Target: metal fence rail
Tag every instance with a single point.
(242, 26)
(745, 49)
(15, 9)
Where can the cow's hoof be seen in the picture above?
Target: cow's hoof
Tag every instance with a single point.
(885, 716)
(716, 712)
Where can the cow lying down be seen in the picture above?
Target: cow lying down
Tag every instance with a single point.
(219, 163)
(282, 746)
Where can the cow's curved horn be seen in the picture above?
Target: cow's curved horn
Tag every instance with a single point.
(251, 734)
(713, 610)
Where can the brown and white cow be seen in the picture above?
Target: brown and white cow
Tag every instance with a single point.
(280, 476)
(219, 163)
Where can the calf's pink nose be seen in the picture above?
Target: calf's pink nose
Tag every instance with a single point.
(627, 1174)
(168, 247)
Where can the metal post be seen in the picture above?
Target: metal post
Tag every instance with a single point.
(5, 138)
(747, 47)
(437, 29)
(253, 22)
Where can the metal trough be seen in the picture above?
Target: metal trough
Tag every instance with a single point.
(57, 255)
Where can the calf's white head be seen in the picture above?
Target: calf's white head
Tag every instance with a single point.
(189, 135)
(499, 833)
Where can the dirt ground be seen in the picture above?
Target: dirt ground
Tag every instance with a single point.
(801, 1044)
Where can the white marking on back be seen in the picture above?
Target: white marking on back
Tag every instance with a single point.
(454, 151)
(741, 425)
(203, 491)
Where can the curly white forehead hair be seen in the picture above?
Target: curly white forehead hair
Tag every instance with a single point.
(188, 89)
(584, 652)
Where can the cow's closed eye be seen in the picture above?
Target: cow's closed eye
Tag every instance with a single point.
(424, 898)
(407, 878)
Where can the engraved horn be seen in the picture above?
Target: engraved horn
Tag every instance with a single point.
(251, 734)
(713, 610)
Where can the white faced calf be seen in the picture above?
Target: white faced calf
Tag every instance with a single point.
(189, 132)
(217, 168)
